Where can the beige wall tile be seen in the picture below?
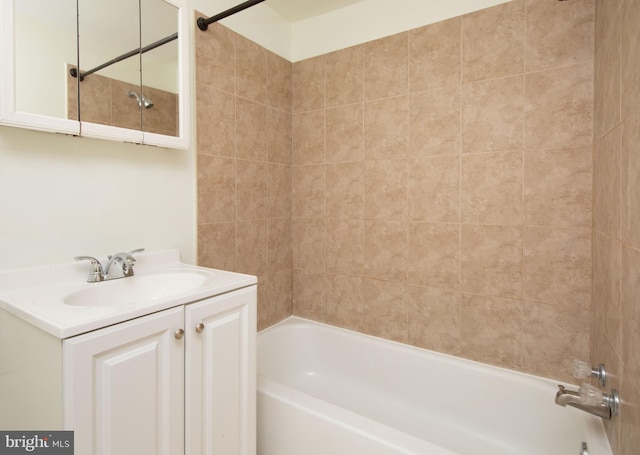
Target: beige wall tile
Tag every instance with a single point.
(252, 245)
(95, 93)
(492, 115)
(553, 337)
(279, 299)
(345, 76)
(491, 259)
(386, 128)
(492, 329)
(216, 122)
(344, 246)
(434, 189)
(344, 302)
(123, 111)
(630, 63)
(492, 188)
(279, 190)
(280, 256)
(345, 190)
(279, 82)
(380, 318)
(607, 100)
(251, 70)
(557, 187)
(216, 189)
(385, 250)
(308, 85)
(308, 244)
(251, 188)
(434, 122)
(629, 183)
(434, 255)
(251, 130)
(217, 246)
(630, 312)
(345, 133)
(607, 265)
(434, 319)
(308, 191)
(435, 55)
(499, 52)
(308, 294)
(215, 56)
(386, 62)
(630, 415)
(603, 352)
(385, 189)
(558, 34)
(557, 266)
(308, 132)
(559, 107)
(606, 184)
(279, 140)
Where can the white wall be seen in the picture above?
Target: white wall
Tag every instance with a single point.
(64, 196)
(372, 19)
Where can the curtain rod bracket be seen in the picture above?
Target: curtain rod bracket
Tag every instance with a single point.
(203, 24)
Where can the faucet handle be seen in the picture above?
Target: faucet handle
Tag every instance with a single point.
(96, 273)
(590, 395)
(582, 370)
(139, 250)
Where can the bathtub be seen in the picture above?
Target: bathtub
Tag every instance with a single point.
(329, 391)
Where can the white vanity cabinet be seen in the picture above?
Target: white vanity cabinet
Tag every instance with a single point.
(177, 381)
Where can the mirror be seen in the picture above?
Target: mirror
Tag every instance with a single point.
(123, 94)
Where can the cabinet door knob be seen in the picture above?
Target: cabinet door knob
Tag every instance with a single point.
(179, 334)
(200, 328)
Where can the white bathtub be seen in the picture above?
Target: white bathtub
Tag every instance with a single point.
(328, 391)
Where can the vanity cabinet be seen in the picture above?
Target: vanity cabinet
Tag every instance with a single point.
(178, 381)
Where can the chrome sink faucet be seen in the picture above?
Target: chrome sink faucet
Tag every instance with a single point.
(98, 273)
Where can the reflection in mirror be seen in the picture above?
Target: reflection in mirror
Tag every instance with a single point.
(160, 78)
(45, 31)
(111, 90)
(106, 31)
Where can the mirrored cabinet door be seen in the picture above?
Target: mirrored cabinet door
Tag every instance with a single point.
(109, 68)
(42, 38)
(160, 64)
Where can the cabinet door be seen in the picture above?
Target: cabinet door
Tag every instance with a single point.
(220, 389)
(123, 387)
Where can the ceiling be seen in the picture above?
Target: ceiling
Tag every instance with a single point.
(296, 10)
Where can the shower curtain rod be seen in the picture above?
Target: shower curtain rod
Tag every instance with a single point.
(203, 23)
(126, 55)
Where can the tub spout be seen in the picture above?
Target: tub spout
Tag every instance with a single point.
(590, 399)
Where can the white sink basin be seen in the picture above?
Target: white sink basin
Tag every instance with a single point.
(137, 289)
(58, 299)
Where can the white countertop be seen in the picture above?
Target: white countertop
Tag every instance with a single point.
(38, 294)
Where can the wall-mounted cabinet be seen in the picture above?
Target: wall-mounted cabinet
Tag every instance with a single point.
(132, 59)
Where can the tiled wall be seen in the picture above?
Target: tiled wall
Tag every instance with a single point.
(442, 186)
(616, 212)
(244, 164)
(106, 101)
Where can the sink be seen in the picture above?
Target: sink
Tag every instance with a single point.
(57, 298)
(137, 289)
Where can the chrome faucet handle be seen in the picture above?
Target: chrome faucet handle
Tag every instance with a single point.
(139, 250)
(582, 370)
(96, 273)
